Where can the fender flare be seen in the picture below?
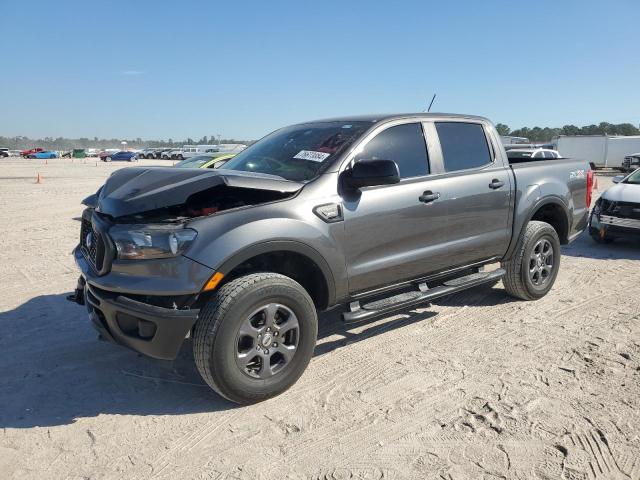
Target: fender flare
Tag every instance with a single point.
(287, 246)
(548, 200)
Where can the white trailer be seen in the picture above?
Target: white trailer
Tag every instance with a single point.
(601, 150)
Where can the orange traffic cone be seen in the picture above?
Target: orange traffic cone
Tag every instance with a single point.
(39, 178)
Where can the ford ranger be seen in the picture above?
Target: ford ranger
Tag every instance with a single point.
(376, 213)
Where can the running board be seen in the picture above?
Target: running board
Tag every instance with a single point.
(412, 298)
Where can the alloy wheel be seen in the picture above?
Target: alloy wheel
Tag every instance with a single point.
(267, 341)
(541, 262)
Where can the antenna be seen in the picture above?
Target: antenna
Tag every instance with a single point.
(432, 99)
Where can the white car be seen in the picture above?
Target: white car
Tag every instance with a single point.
(526, 154)
(175, 154)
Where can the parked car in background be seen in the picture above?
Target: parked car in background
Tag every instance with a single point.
(44, 154)
(173, 154)
(4, 152)
(205, 161)
(119, 156)
(24, 153)
(92, 152)
(189, 151)
(617, 212)
(631, 162)
(147, 153)
(161, 151)
(517, 155)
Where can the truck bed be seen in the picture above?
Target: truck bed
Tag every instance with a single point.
(539, 179)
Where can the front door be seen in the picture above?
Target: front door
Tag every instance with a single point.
(395, 232)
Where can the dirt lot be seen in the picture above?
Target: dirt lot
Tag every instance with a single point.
(476, 386)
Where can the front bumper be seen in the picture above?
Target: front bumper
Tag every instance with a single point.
(133, 305)
(612, 227)
(154, 331)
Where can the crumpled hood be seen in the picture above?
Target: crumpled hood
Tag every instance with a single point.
(623, 192)
(133, 190)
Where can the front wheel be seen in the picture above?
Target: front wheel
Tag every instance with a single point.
(599, 237)
(255, 337)
(533, 269)
(107, 159)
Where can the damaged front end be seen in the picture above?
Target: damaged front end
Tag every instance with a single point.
(139, 289)
(611, 218)
(142, 213)
(171, 195)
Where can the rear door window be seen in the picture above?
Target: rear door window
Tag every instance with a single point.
(405, 145)
(464, 145)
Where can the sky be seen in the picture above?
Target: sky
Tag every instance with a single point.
(240, 69)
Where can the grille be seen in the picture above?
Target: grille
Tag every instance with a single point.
(92, 245)
(621, 209)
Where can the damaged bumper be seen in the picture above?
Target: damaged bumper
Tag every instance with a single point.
(154, 331)
(145, 306)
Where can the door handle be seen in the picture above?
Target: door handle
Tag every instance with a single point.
(429, 196)
(495, 183)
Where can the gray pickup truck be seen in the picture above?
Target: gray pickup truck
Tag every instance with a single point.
(376, 213)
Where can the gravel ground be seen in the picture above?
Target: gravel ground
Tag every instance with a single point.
(476, 386)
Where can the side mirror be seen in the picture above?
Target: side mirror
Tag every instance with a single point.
(618, 178)
(369, 173)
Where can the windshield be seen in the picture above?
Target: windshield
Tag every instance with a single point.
(194, 162)
(299, 152)
(634, 178)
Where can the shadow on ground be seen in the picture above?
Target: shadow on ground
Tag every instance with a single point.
(55, 370)
(627, 248)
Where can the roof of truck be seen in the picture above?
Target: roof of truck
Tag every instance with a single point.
(373, 118)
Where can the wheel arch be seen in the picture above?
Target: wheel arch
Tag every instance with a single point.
(288, 257)
(551, 210)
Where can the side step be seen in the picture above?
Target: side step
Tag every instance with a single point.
(423, 294)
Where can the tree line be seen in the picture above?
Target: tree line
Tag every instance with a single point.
(535, 134)
(539, 135)
(61, 143)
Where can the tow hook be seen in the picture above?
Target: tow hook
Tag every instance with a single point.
(78, 295)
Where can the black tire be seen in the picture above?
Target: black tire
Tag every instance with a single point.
(595, 236)
(518, 281)
(217, 337)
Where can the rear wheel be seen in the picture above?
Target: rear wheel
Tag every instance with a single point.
(107, 159)
(533, 269)
(255, 337)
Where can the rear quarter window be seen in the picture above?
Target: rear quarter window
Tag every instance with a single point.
(464, 145)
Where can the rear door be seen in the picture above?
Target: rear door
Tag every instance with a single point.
(476, 191)
(395, 232)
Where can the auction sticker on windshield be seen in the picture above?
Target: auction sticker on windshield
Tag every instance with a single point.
(311, 155)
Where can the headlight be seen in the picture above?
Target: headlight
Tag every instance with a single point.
(151, 241)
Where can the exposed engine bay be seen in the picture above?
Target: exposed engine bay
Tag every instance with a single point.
(205, 203)
(143, 195)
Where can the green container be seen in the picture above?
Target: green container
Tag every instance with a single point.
(78, 153)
